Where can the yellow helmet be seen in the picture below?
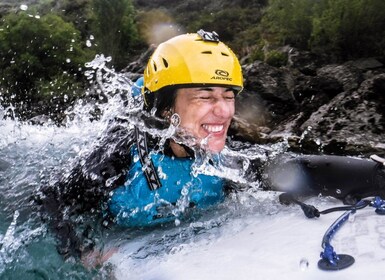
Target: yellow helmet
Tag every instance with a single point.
(193, 59)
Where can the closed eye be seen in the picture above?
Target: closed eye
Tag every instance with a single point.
(204, 97)
(207, 94)
(229, 94)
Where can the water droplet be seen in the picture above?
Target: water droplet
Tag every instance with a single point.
(153, 111)
(338, 191)
(136, 158)
(68, 60)
(184, 191)
(23, 7)
(303, 264)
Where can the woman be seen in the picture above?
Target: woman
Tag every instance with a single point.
(191, 81)
(137, 178)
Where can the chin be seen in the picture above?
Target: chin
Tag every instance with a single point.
(216, 147)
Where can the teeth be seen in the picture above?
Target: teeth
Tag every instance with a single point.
(212, 128)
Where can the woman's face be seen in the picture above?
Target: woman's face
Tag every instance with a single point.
(206, 112)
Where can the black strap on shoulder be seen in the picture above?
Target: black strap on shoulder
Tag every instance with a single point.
(146, 161)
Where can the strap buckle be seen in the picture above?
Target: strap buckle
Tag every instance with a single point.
(208, 36)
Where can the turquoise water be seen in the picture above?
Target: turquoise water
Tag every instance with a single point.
(28, 154)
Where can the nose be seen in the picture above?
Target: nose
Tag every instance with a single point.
(223, 108)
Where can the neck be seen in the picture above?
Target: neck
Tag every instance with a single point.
(178, 150)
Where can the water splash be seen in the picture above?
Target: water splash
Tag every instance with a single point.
(14, 238)
(32, 154)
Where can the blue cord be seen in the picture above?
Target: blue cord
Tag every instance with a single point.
(329, 254)
(330, 260)
(379, 204)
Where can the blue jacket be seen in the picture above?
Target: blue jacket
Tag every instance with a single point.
(135, 205)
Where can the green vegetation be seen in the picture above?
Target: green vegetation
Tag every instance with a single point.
(235, 25)
(276, 58)
(43, 49)
(288, 22)
(114, 29)
(343, 28)
(35, 52)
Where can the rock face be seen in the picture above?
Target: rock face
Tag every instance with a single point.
(318, 107)
(332, 108)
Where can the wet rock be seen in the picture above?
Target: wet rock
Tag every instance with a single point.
(366, 63)
(351, 123)
(273, 85)
(305, 62)
(349, 76)
(336, 109)
(313, 88)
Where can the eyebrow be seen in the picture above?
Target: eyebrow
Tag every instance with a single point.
(210, 89)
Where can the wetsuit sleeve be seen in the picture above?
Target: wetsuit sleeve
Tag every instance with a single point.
(338, 176)
(83, 190)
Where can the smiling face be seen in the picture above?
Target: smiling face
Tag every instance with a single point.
(206, 112)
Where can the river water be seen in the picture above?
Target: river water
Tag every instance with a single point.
(30, 154)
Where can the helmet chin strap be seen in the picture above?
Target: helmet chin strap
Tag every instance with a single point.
(152, 177)
(146, 161)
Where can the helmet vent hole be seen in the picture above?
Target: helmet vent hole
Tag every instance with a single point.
(207, 52)
(165, 63)
(155, 68)
(225, 54)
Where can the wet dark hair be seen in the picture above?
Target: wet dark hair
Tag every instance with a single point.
(162, 100)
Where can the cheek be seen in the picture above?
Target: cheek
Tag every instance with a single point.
(191, 118)
(231, 108)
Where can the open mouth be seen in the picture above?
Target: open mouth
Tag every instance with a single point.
(213, 128)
